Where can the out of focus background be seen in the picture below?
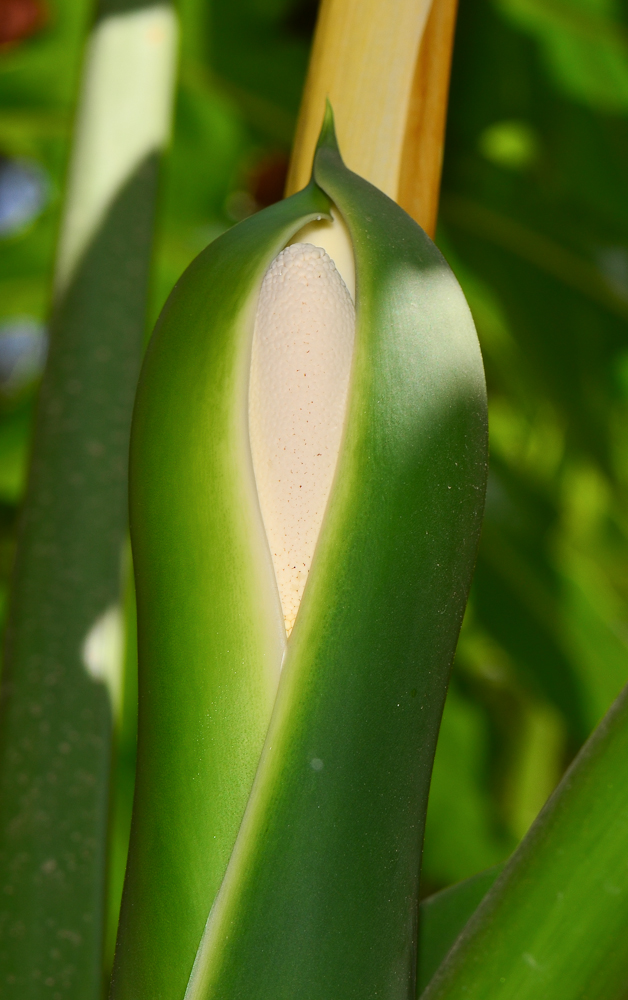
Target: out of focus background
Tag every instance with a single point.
(534, 222)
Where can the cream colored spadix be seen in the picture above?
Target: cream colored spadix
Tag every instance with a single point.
(300, 368)
(333, 236)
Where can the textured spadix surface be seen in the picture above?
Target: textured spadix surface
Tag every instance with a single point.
(285, 811)
(300, 367)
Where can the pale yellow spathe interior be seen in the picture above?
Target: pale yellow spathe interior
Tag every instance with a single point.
(124, 116)
(334, 238)
(300, 368)
(363, 59)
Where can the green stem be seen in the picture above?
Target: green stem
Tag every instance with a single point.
(56, 713)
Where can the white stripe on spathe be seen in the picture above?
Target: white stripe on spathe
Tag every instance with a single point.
(123, 116)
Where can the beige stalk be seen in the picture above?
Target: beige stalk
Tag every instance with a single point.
(384, 64)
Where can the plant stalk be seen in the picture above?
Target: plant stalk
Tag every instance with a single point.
(387, 76)
(64, 637)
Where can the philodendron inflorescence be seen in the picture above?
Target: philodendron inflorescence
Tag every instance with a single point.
(307, 486)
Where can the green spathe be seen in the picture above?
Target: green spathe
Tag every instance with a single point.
(210, 627)
(319, 897)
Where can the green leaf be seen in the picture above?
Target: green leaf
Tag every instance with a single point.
(462, 834)
(554, 925)
(584, 46)
(443, 916)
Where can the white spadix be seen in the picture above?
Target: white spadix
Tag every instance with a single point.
(300, 368)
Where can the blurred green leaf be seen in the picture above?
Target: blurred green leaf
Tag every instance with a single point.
(443, 916)
(584, 44)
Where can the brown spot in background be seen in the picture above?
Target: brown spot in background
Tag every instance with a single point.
(267, 179)
(19, 19)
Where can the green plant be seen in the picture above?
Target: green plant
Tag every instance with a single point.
(64, 641)
(533, 223)
(295, 879)
(302, 866)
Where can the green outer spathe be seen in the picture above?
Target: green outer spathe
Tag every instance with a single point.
(320, 899)
(210, 626)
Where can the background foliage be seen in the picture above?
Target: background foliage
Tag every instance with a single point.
(534, 221)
